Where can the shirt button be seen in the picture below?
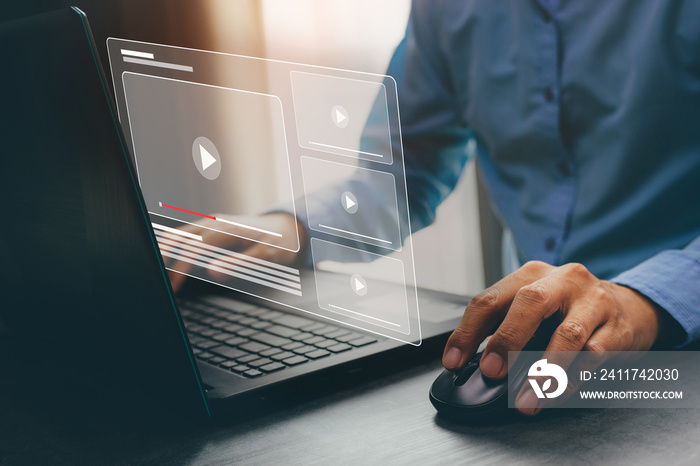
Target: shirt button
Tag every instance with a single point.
(550, 243)
(548, 93)
(546, 17)
(563, 169)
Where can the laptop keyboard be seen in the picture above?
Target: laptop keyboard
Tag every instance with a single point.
(253, 341)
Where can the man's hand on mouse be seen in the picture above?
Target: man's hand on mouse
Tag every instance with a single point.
(597, 315)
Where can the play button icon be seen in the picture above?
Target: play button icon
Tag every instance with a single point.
(349, 202)
(339, 116)
(206, 158)
(358, 285)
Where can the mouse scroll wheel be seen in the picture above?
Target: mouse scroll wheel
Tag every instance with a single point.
(463, 374)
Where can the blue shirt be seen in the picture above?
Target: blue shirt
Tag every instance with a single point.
(586, 117)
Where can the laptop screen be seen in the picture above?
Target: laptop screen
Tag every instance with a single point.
(280, 180)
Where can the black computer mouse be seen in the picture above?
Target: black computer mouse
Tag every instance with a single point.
(467, 395)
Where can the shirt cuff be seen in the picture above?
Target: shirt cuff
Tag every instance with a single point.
(669, 279)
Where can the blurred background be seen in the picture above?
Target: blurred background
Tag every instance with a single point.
(358, 35)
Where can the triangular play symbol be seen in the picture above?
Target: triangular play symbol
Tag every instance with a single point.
(207, 159)
(339, 116)
(358, 285)
(348, 202)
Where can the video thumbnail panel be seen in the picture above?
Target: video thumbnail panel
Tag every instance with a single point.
(355, 294)
(191, 142)
(353, 212)
(330, 117)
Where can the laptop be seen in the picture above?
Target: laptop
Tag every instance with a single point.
(82, 245)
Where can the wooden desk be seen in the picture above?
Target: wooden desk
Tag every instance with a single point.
(50, 415)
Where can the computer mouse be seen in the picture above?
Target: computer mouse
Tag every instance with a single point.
(466, 394)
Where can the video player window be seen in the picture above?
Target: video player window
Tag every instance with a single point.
(222, 141)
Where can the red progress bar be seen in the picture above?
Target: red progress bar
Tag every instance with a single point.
(188, 211)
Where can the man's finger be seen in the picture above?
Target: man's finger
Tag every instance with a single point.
(178, 254)
(583, 323)
(176, 280)
(531, 305)
(577, 328)
(484, 311)
(257, 251)
(178, 264)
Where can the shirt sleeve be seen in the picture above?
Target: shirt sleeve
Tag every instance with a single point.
(671, 279)
(434, 133)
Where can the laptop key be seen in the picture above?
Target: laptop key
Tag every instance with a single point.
(272, 340)
(234, 317)
(206, 344)
(248, 321)
(254, 347)
(273, 366)
(221, 336)
(194, 339)
(325, 343)
(235, 341)
(320, 353)
(204, 356)
(246, 332)
(313, 340)
(247, 359)
(252, 373)
(228, 364)
(261, 324)
(216, 360)
(349, 337)
(197, 319)
(294, 321)
(228, 352)
(304, 349)
(201, 309)
(259, 362)
(312, 327)
(220, 324)
(240, 368)
(270, 315)
(209, 332)
(232, 328)
(337, 333)
(366, 340)
(292, 345)
(295, 360)
(221, 313)
(282, 331)
(324, 330)
(270, 352)
(302, 336)
(339, 348)
(282, 356)
(253, 310)
(245, 308)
